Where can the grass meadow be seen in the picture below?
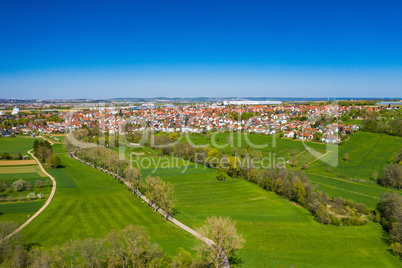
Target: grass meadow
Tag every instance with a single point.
(89, 203)
(21, 144)
(367, 152)
(277, 231)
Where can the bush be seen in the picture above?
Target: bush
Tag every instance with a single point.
(5, 155)
(31, 196)
(362, 208)
(17, 156)
(40, 196)
(19, 185)
(39, 183)
(220, 175)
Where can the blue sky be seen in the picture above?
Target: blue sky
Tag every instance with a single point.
(99, 49)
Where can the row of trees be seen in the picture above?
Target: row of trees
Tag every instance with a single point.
(8, 156)
(129, 247)
(44, 152)
(375, 125)
(160, 194)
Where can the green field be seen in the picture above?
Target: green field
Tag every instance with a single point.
(19, 212)
(89, 203)
(350, 179)
(21, 144)
(367, 152)
(359, 191)
(277, 231)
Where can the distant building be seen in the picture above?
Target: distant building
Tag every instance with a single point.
(386, 103)
(149, 105)
(247, 102)
(15, 111)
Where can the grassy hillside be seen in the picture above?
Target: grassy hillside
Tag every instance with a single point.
(367, 152)
(359, 191)
(89, 203)
(350, 179)
(277, 231)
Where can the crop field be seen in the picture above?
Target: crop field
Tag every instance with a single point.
(19, 144)
(4, 170)
(367, 152)
(277, 231)
(89, 203)
(5, 163)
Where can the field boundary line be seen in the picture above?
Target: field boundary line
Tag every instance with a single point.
(43, 207)
(319, 158)
(349, 181)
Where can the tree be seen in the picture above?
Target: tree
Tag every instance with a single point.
(19, 185)
(166, 199)
(92, 250)
(323, 215)
(184, 260)
(39, 183)
(5, 155)
(222, 231)
(374, 176)
(220, 174)
(346, 157)
(40, 258)
(392, 176)
(17, 156)
(7, 246)
(133, 176)
(69, 250)
(54, 161)
(137, 242)
(173, 136)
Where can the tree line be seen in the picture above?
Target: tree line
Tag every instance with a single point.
(292, 185)
(44, 153)
(129, 247)
(389, 215)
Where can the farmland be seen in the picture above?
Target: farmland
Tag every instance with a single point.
(350, 179)
(89, 203)
(269, 222)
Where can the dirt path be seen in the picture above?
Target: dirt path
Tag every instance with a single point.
(207, 241)
(43, 207)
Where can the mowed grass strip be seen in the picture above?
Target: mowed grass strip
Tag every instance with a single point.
(277, 231)
(89, 203)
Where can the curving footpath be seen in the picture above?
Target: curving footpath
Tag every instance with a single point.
(43, 207)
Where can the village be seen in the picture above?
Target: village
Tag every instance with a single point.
(321, 123)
